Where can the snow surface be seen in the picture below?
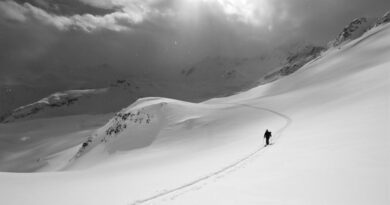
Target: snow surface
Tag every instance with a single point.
(329, 120)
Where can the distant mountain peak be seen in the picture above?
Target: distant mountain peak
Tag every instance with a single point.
(296, 59)
(353, 30)
(357, 28)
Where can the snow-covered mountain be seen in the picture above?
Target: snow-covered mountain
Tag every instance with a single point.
(130, 123)
(117, 95)
(19, 88)
(353, 30)
(357, 28)
(152, 114)
(329, 121)
(234, 72)
(306, 54)
(211, 77)
(57, 100)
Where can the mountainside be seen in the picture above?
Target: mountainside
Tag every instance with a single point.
(309, 53)
(219, 76)
(18, 88)
(96, 101)
(353, 30)
(230, 72)
(294, 62)
(211, 77)
(57, 100)
(357, 28)
(384, 19)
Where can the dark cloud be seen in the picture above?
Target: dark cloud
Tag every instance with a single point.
(159, 36)
(66, 7)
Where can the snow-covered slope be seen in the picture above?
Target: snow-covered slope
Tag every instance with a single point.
(335, 151)
(330, 125)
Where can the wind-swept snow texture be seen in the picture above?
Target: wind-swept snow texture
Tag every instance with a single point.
(330, 117)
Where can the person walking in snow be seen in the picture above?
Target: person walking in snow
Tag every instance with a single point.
(267, 136)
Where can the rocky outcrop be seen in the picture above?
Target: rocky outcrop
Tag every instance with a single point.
(353, 30)
(384, 19)
(357, 28)
(56, 100)
(294, 62)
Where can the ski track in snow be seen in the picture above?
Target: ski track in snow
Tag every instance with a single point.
(203, 181)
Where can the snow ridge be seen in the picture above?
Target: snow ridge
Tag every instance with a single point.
(202, 181)
(138, 125)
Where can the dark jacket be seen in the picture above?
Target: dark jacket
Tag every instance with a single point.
(267, 134)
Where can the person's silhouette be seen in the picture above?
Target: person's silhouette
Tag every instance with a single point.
(267, 136)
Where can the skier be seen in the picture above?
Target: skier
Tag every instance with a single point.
(267, 136)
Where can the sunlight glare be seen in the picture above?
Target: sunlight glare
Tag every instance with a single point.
(253, 12)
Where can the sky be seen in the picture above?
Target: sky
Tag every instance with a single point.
(160, 36)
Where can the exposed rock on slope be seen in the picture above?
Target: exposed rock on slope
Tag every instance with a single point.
(294, 62)
(138, 125)
(353, 30)
(357, 28)
(384, 19)
(56, 100)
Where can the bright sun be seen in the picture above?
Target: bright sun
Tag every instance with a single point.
(254, 12)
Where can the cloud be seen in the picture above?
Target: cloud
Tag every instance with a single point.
(109, 4)
(254, 13)
(127, 14)
(116, 21)
(136, 35)
(12, 11)
(250, 12)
